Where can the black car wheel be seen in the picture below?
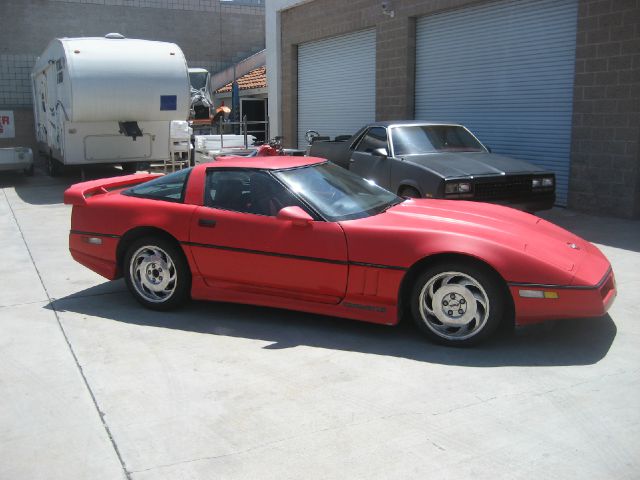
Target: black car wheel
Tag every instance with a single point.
(457, 303)
(157, 273)
(131, 167)
(409, 192)
(54, 168)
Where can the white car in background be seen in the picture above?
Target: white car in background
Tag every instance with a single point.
(16, 158)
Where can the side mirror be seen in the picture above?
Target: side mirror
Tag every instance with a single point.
(295, 215)
(380, 152)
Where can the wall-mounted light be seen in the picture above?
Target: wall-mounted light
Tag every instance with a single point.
(387, 9)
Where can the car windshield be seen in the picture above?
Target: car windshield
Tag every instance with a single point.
(336, 193)
(198, 80)
(420, 139)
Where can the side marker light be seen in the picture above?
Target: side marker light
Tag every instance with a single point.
(537, 294)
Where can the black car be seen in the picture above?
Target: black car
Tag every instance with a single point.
(434, 160)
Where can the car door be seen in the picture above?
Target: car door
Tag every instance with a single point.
(238, 242)
(370, 158)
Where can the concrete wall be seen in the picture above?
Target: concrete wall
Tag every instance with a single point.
(212, 35)
(605, 162)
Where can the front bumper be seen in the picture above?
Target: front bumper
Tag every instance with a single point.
(571, 302)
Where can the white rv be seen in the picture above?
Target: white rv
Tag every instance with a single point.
(108, 100)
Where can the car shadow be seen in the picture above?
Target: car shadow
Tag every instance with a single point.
(614, 232)
(562, 343)
(41, 189)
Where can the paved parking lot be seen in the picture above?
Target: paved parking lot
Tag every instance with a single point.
(92, 386)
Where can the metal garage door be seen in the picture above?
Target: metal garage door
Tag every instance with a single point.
(506, 71)
(336, 84)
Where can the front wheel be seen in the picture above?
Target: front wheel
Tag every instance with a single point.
(409, 192)
(157, 273)
(457, 303)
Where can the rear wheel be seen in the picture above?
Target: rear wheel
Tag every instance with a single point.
(157, 273)
(54, 168)
(409, 192)
(131, 167)
(457, 303)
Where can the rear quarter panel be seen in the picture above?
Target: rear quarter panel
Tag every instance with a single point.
(111, 216)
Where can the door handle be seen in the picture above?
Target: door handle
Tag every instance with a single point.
(351, 160)
(205, 222)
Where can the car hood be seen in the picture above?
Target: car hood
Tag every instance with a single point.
(441, 224)
(454, 165)
(501, 224)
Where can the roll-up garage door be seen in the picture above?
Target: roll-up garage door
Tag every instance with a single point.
(336, 84)
(506, 71)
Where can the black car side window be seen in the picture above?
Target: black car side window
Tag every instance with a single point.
(374, 139)
(247, 191)
(170, 187)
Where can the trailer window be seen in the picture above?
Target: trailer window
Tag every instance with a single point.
(170, 187)
(59, 69)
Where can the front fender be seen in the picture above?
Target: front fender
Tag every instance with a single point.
(514, 263)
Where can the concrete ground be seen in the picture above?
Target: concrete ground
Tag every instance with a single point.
(93, 386)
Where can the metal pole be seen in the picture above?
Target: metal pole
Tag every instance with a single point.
(221, 134)
(267, 129)
(244, 126)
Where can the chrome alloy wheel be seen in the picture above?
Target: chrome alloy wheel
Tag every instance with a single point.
(153, 273)
(453, 305)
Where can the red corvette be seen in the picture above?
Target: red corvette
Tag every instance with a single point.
(303, 234)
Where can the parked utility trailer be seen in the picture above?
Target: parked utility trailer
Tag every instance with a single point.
(108, 100)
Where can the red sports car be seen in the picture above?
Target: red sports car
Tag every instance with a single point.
(304, 234)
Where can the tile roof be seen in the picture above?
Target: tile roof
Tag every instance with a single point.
(256, 78)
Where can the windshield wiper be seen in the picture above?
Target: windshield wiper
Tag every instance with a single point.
(389, 205)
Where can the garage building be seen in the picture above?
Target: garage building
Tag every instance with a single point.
(554, 82)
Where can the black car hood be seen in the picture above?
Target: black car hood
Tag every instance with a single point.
(473, 164)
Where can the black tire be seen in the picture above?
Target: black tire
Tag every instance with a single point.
(130, 167)
(459, 294)
(170, 263)
(409, 192)
(29, 171)
(54, 168)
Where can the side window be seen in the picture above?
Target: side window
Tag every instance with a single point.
(247, 191)
(375, 138)
(59, 69)
(169, 187)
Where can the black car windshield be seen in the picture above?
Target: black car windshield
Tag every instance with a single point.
(198, 80)
(336, 193)
(420, 139)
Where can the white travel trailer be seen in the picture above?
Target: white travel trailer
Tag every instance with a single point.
(108, 100)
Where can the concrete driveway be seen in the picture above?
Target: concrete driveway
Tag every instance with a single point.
(92, 386)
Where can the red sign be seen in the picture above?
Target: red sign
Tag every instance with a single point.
(7, 125)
